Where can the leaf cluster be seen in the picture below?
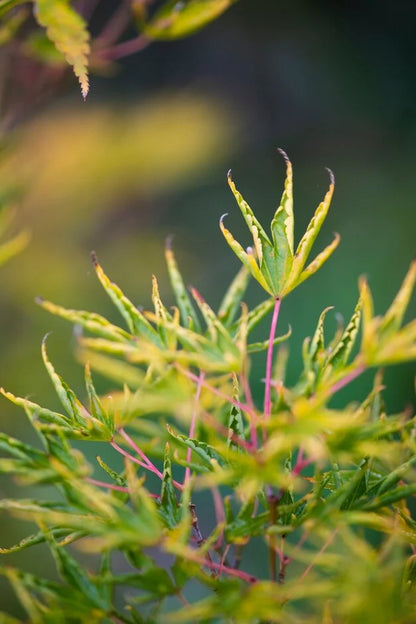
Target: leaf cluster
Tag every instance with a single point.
(304, 483)
(65, 33)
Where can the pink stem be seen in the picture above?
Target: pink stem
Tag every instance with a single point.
(347, 379)
(193, 425)
(134, 459)
(136, 448)
(147, 464)
(219, 513)
(249, 578)
(243, 406)
(110, 486)
(301, 463)
(269, 360)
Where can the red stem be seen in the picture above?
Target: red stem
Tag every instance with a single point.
(269, 360)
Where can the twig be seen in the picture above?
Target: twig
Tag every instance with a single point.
(347, 379)
(110, 486)
(243, 406)
(269, 360)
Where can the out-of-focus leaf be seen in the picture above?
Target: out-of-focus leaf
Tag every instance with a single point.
(384, 341)
(68, 31)
(180, 19)
(14, 246)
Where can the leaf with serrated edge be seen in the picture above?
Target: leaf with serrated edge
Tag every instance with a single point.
(181, 294)
(95, 323)
(341, 353)
(305, 245)
(247, 259)
(254, 347)
(67, 397)
(68, 31)
(232, 298)
(394, 315)
(136, 322)
(313, 267)
(282, 227)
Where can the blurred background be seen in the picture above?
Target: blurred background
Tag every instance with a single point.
(331, 81)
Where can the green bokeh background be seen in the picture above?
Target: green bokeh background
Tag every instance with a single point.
(331, 82)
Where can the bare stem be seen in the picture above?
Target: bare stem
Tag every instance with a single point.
(347, 379)
(193, 425)
(126, 48)
(269, 360)
(110, 486)
(147, 465)
(243, 406)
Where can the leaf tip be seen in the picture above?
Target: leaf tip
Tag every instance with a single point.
(168, 242)
(331, 176)
(94, 258)
(283, 153)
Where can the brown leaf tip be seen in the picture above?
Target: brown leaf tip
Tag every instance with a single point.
(94, 258)
(39, 300)
(331, 176)
(168, 242)
(283, 153)
(223, 217)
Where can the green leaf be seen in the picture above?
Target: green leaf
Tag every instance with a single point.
(181, 19)
(94, 323)
(168, 500)
(393, 318)
(13, 246)
(188, 313)
(262, 346)
(283, 223)
(305, 245)
(233, 296)
(136, 321)
(206, 452)
(96, 407)
(71, 571)
(341, 352)
(68, 31)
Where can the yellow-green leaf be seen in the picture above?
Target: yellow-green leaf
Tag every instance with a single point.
(68, 31)
(180, 19)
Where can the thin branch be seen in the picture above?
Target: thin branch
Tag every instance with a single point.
(347, 379)
(126, 48)
(243, 406)
(269, 360)
(110, 486)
